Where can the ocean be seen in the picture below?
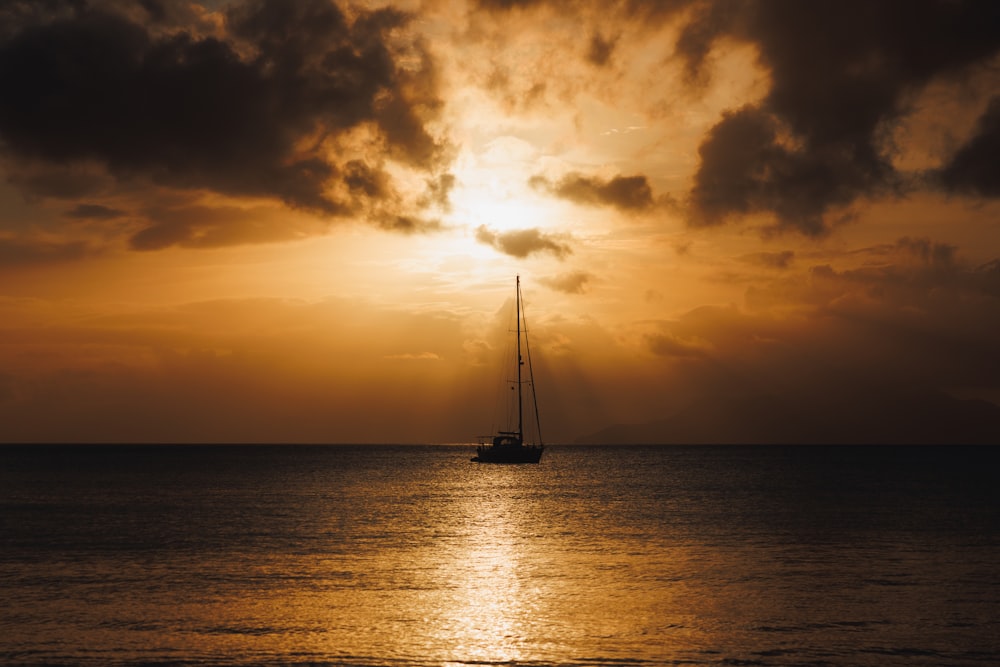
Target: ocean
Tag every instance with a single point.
(413, 555)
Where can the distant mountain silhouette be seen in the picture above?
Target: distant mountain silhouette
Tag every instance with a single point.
(862, 419)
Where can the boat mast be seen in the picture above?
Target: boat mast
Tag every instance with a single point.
(520, 413)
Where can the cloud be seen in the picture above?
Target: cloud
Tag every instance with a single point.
(519, 93)
(644, 9)
(94, 212)
(264, 107)
(506, 5)
(929, 252)
(672, 346)
(570, 283)
(627, 193)
(912, 319)
(975, 169)
(842, 75)
(408, 224)
(600, 50)
(744, 169)
(987, 278)
(37, 180)
(21, 251)
(438, 192)
(771, 260)
(523, 242)
(197, 226)
(909, 280)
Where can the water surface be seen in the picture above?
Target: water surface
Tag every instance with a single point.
(415, 556)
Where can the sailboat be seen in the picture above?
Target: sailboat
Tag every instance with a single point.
(508, 446)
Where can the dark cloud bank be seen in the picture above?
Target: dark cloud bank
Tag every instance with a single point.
(843, 74)
(260, 107)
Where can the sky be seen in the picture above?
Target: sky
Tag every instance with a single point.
(269, 221)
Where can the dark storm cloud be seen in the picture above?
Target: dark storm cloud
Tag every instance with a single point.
(929, 252)
(39, 180)
(659, 9)
(371, 197)
(628, 193)
(745, 169)
(842, 74)
(522, 242)
(509, 4)
(256, 111)
(94, 212)
(365, 181)
(975, 168)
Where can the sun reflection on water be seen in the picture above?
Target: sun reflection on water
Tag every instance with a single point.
(489, 606)
(492, 609)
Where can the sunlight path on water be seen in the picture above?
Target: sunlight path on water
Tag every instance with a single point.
(488, 613)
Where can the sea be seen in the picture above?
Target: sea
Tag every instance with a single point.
(412, 555)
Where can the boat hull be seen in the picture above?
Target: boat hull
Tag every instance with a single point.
(508, 454)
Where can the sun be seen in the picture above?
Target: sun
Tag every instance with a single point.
(498, 207)
(492, 188)
(492, 206)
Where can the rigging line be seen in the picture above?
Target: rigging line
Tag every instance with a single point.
(531, 374)
(520, 417)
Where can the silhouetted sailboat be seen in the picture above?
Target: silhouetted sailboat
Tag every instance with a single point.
(509, 446)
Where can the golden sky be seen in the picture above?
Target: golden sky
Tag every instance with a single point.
(301, 221)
